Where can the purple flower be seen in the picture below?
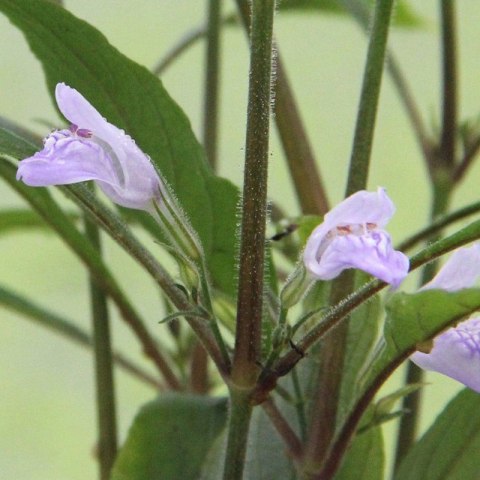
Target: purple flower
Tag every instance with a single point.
(352, 236)
(92, 149)
(456, 352)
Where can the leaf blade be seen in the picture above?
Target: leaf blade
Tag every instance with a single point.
(166, 430)
(449, 449)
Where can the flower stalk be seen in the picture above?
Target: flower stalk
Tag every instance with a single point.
(105, 387)
(212, 81)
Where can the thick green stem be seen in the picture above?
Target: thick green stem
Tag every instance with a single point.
(105, 388)
(367, 111)
(298, 151)
(210, 118)
(254, 207)
(238, 426)
(449, 76)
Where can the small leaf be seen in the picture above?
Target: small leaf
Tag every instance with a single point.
(449, 449)
(170, 438)
(200, 312)
(386, 404)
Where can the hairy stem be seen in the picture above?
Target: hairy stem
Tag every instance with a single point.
(254, 207)
(296, 145)
(105, 388)
(252, 244)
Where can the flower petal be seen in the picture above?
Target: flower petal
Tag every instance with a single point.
(93, 149)
(372, 253)
(65, 159)
(455, 353)
(460, 271)
(362, 207)
(79, 111)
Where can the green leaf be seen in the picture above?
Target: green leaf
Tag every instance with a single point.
(405, 16)
(365, 458)
(385, 405)
(170, 438)
(415, 318)
(449, 449)
(266, 455)
(132, 98)
(14, 146)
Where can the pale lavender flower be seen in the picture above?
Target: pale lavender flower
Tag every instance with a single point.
(352, 236)
(456, 352)
(92, 149)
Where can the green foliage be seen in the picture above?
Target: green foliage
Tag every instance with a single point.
(449, 449)
(405, 16)
(170, 438)
(17, 218)
(266, 457)
(132, 98)
(365, 458)
(14, 146)
(416, 318)
(362, 335)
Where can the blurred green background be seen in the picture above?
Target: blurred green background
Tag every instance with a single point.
(47, 418)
